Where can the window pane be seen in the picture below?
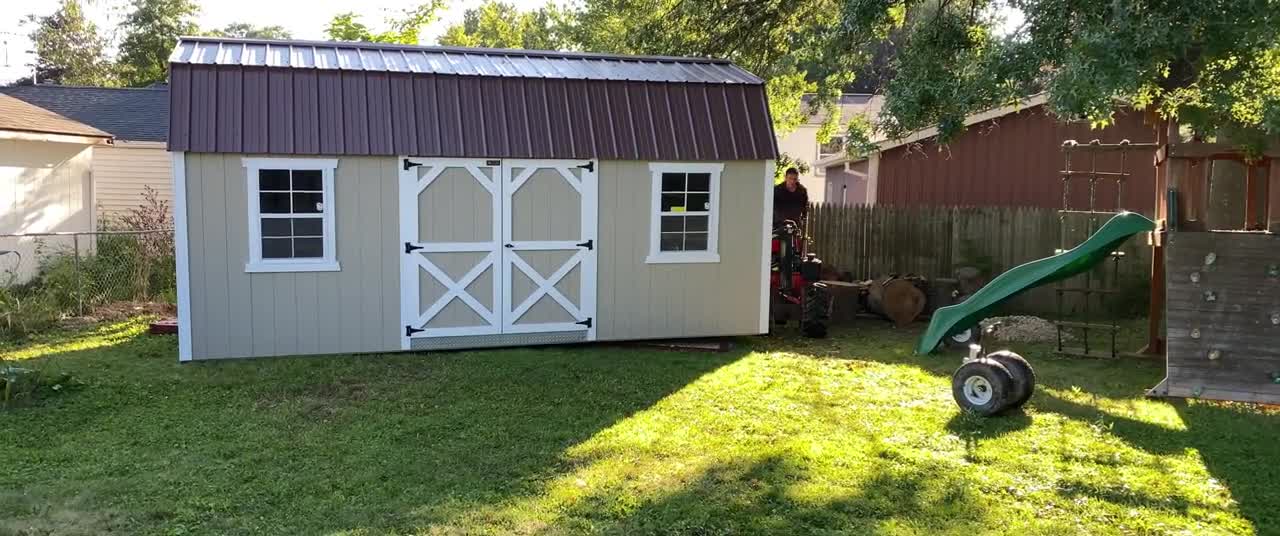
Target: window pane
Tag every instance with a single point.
(276, 248)
(695, 223)
(273, 179)
(695, 242)
(307, 179)
(275, 227)
(308, 247)
(273, 203)
(308, 227)
(699, 202)
(670, 202)
(699, 182)
(671, 242)
(672, 224)
(310, 203)
(673, 182)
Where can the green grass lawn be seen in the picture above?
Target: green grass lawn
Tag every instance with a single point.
(847, 435)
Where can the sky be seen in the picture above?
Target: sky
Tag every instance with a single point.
(305, 23)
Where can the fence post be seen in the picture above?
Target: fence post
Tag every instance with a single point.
(75, 244)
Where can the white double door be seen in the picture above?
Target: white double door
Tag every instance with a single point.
(497, 246)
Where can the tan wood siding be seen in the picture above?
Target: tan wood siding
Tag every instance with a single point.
(44, 187)
(648, 301)
(121, 173)
(238, 314)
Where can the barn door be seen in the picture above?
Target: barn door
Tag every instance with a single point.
(548, 237)
(450, 226)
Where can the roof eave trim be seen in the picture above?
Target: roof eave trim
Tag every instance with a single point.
(53, 137)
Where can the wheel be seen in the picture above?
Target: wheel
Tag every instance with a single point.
(816, 312)
(1024, 377)
(962, 339)
(982, 386)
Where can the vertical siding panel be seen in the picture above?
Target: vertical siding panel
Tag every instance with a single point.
(538, 118)
(197, 237)
(379, 113)
(404, 134)
(602, 126)
(388, 255)
(704, 135)
(740, 124)
(179, 108)
(284, 287)
(607, 310)
(306, 112)
(371, 256)
(255, 104)
(765, 144)
(240, 299)
(214, 221)
(578, 110)
(332, 138)
(472, 116)
(230, 96)
(308, 302)
(663, 124)
(436, 121)
(519, 138)
(280, 110)
(642, 124)
(682, 123)
(355, 113)
(624, 126)
(204, 115)
(559, 121)
(351, 322)
(494, 128)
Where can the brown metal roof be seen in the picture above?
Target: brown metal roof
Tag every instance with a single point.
(16, 115)
(510, 112)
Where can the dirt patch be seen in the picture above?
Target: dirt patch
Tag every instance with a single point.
(42, 518)
(115, 312)
(317, 400)
(1024, 328)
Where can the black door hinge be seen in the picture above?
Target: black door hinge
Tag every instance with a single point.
(589, 166)
(410, 164)
(589, 244)
(586, 322)
(409, 331)
(409, 247)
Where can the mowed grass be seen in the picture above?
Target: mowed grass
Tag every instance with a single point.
(849, 435)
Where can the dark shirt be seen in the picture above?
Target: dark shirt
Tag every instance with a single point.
(789, 205)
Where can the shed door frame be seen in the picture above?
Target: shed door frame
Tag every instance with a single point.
(501, 252)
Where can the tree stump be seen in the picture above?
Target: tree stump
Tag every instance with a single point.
(897, 299)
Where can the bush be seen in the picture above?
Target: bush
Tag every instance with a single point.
(24, 384)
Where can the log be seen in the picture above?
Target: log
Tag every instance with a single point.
(846, 300)
(897, 299)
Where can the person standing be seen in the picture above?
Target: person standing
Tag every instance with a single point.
(790, 199)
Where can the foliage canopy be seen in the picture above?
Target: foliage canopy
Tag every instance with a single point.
(68, 48)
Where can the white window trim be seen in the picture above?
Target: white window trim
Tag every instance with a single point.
(712, 254)
(256, 264)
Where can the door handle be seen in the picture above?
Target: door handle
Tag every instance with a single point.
(508, 245)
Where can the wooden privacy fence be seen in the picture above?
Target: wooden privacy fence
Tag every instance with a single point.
(875, 240)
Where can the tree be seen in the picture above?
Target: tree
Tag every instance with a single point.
(68, 48)
(246, 30)
(1211, 66)
(151, 30)
(402, 29)
(501, 25)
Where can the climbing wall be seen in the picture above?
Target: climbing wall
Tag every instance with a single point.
(1223, 316)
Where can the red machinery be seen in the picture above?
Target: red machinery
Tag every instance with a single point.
(794, 283)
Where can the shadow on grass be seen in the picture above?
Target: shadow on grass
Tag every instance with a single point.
(1237, 443)
(265, 445)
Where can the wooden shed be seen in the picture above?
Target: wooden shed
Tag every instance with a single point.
(355, 197)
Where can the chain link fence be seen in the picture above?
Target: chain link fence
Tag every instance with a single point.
(46, 278)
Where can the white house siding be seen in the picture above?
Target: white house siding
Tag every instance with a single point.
(44, 187)
(123, 171)
(238, 314)
(802, 144)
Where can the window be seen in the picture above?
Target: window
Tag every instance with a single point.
(832, 147)
(291, 221)
(685, 210)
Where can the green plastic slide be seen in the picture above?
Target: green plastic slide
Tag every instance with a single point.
(961, 316)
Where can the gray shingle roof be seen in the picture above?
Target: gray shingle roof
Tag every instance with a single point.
(130, 114)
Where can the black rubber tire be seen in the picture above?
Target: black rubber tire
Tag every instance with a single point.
(816, 313)
(982, 376)
(1024, 377)
(973, 335)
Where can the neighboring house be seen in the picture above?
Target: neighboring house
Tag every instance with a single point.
(360, 197)
(45, 180)
(1009, 156)
(138, 118)
(802, 143)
